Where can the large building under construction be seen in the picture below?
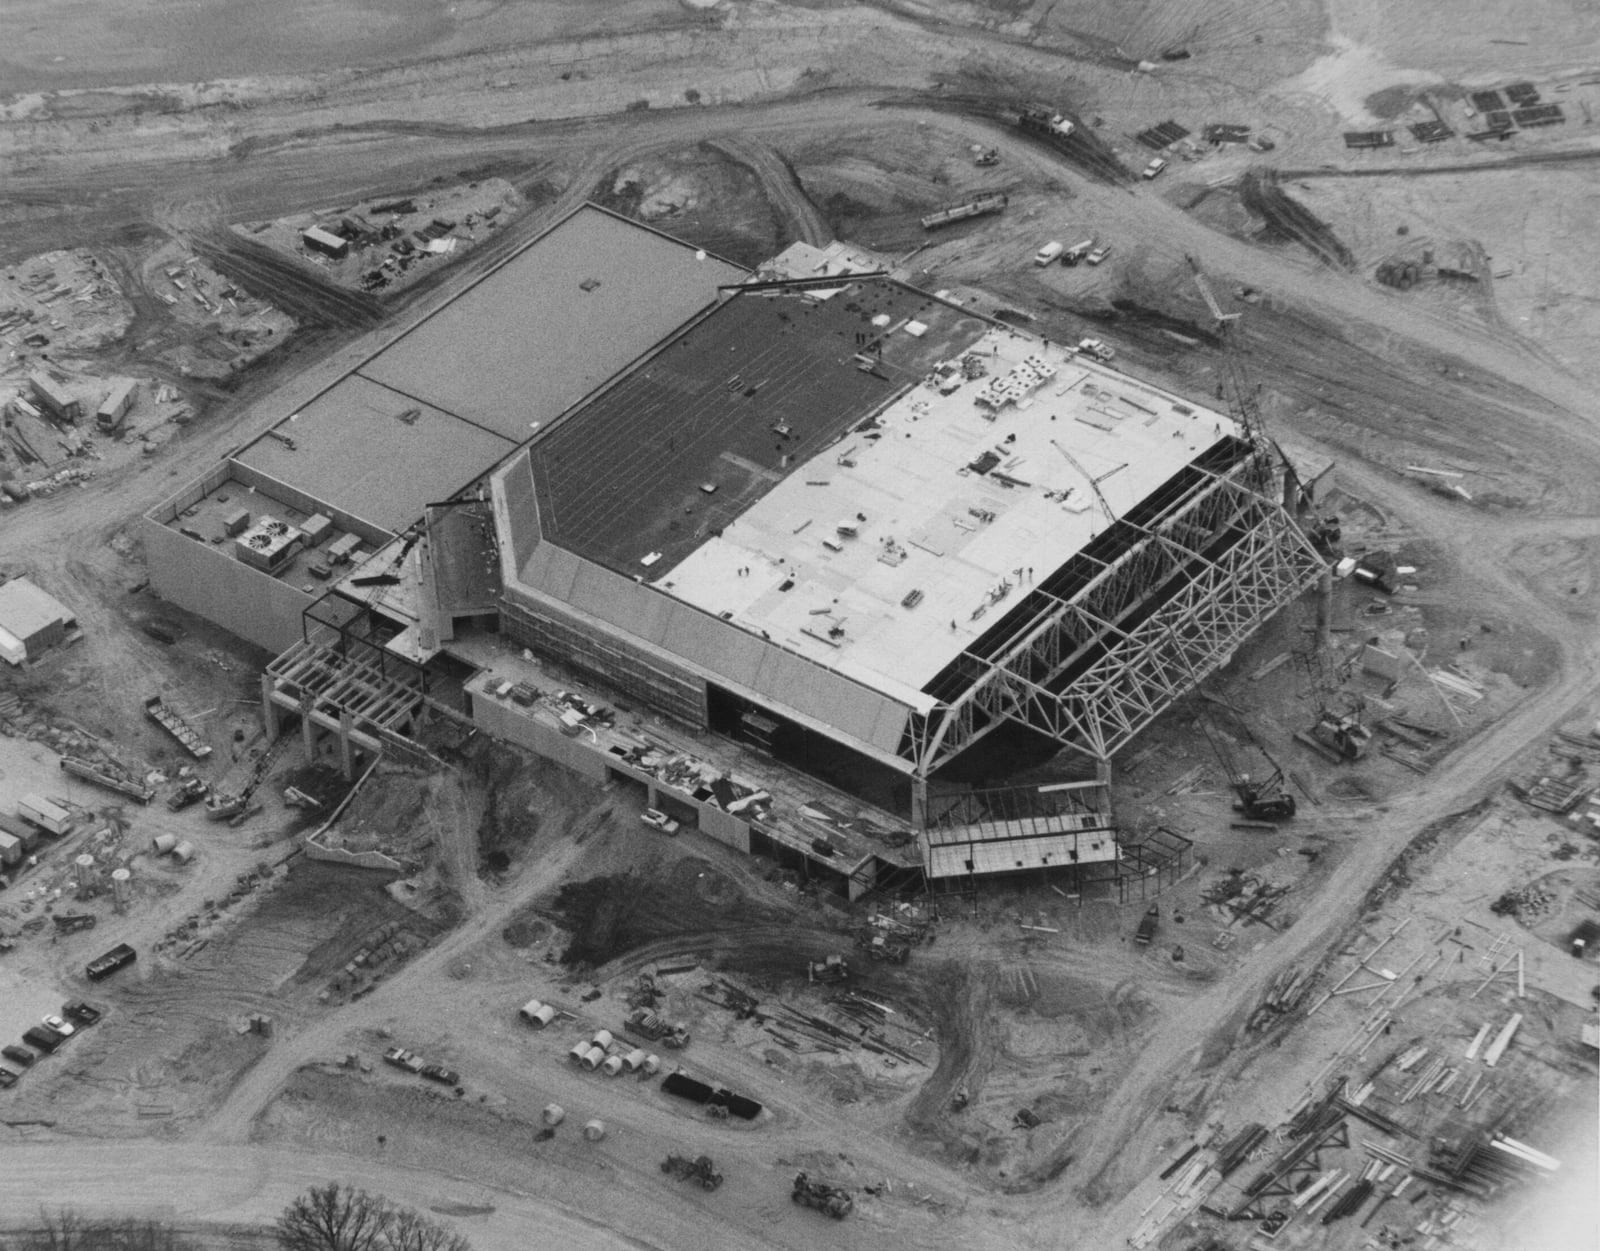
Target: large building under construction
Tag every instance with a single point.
(824, 523)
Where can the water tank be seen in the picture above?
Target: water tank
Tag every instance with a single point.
(183, 852)
(121, 886)
(603, 1038)
(161, 844)
(595, 1130)
(554, 1114)
(83, 871)
(612, 1066)
(594, 1058)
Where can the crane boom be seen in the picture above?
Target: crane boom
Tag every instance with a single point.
(1094, 482)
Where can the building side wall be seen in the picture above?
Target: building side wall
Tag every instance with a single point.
(504, 722)
(612, 659)
(212, 584)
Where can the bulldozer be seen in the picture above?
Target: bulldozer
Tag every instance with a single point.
(880, 946)
(1343, 735)
(700, 1169)
(830, 970)
(833, 1200)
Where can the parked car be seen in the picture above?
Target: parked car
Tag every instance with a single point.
(8, 1079)
(438, 1073)
(1155, 167)
(658, 820)
(20, 1056)
(43, 1038)
(82, 1013)
(410, 1061)
(60, 1026)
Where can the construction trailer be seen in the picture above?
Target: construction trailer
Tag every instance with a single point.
(54, 398)
(50, 817)
(316, 239)
(108, 417)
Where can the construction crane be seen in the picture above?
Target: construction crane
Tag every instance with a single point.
(1094, 482)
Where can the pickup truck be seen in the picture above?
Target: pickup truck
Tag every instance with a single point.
(410, 1061)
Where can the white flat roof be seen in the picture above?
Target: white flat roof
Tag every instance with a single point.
(864, 525)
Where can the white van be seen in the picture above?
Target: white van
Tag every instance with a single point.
(1049, 252)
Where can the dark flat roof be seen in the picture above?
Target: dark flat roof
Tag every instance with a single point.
(353, 451)
(623, 476)
(536, 335)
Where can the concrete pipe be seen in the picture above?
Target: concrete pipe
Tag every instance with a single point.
(161, 844)
(612, 1066)
(652, 1065)
(183, 852)
(603, 1038)
(594, 1058)
(595, 1130)
(577, 1051)
(554, 1114)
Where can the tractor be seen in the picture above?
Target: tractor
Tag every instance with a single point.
(700, 1169)
(833, 1200)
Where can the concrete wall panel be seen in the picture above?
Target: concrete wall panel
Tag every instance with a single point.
(202, 580)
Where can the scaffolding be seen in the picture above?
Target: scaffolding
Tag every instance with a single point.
(1153, 605)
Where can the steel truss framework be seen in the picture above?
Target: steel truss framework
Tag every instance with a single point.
(1145, 626)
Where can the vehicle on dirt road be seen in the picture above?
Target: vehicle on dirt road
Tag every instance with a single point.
(1148, 924)
(1155, 167)
(19, 1056)
(410, 1061)
(658, 820)
(60, 1026)
(118, 957)
(82, 1013)
(700, 1169)
(836, 1202)
(438, 1073)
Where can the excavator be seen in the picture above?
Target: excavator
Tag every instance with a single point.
(1257, 798)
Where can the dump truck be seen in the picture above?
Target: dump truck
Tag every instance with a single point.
(976, 206)
(833, 1200)
(700, 1169)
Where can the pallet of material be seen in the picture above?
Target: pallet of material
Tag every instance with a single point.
(1430, 132)
(1539, 115)
(1487, 101)
(1521, 94)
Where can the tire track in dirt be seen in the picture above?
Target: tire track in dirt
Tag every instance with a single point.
(801, 218)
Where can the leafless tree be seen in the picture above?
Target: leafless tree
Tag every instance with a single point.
(334, 1218)
(341, 1218)
(409, 1230)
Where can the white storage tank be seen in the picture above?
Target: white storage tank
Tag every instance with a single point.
(594, 1058)
(595, 1130)
(612, 1066)
(554, 1114)
(603, 1038)
(121, 887)
(161, 844)
(83, 872)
